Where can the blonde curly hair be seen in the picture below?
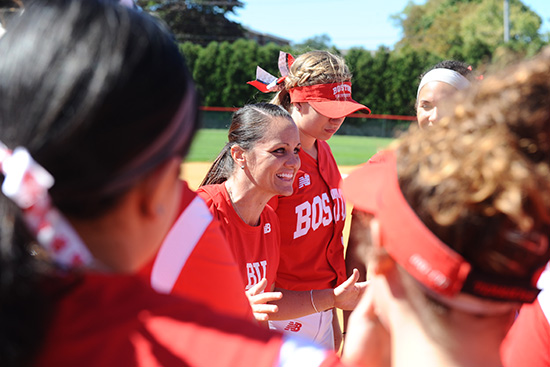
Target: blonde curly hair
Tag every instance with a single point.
(480, 180)
(311, 68)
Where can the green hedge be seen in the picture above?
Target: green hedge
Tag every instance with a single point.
(384, 80)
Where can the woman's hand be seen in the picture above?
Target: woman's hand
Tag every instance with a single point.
(367, 340)
(348, 294)
(258, 300)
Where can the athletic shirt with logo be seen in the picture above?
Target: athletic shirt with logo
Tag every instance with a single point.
(256, 248)
(528, 341)
(312, 221)
(118, 320)
(196, 261)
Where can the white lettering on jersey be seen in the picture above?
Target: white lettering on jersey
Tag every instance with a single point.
(303, 221)
(255, 272)
(316, 213)
(267, 228)
(327, 215)
(339, 204)
(312, 215)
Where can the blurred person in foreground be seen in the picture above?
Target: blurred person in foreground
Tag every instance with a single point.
(434, 100)
(97, 111)
(457, 225)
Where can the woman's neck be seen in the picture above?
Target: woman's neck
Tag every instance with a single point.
(308, 144)
(465, 343)
(248, 201)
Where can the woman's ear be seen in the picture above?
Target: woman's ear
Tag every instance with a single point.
(156, 186)
(238, 155)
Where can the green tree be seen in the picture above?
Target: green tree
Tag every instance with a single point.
(191, 52)
(469, 30)
(204, 73)
(384, 80)
(403, 77)
(240, 69)
(318, 42)
(197, 21)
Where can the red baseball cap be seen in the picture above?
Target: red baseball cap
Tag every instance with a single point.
(374, 188)
(332, 100)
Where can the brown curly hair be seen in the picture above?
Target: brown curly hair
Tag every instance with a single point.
(480, 180)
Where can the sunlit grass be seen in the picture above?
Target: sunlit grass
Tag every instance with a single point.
(348, 150)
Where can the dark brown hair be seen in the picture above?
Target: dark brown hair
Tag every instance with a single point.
(248, 126)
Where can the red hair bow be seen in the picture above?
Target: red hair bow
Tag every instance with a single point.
(265, 82)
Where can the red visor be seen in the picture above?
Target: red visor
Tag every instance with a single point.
(331, 100)
(374, 188)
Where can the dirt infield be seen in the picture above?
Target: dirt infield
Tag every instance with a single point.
(194, 172)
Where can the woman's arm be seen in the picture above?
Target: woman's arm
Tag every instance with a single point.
(356, 250)
(336, 330)
(296, 304)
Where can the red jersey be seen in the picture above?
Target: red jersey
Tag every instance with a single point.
(256, 249)
(528, 341)
(117, 320)
(312, 221)
(195, 261)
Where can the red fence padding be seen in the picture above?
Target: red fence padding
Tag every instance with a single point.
(382, 117)
(218, 109)
(354, 115)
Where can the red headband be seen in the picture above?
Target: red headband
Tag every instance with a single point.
(332, 100)
(374, 188)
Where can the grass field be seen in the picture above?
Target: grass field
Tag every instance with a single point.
(348, 150)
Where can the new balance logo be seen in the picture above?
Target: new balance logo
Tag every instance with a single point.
(293, 326)
(304, 181)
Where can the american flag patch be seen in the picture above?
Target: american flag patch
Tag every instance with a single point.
(304, 181)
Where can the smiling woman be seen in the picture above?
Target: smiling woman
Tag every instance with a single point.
(259, 161)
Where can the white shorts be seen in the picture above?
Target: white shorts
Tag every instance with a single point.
(316, 327)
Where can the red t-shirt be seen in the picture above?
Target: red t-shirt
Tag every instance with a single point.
(118, 320)
(256, 248)
(312, 221)
(195, 261)
(528, 341)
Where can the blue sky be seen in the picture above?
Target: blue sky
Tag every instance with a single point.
(349, 23)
